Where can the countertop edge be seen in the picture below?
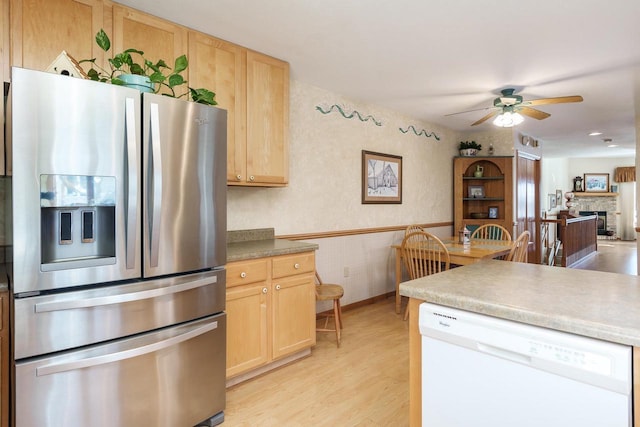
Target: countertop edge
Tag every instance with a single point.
(241, 251)
(618, 332)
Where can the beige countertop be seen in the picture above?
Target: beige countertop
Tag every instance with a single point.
(260, 243)
(590, 303)
(238, 251)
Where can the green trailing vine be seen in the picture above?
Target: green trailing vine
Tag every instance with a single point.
(421, 133)
(350, 115)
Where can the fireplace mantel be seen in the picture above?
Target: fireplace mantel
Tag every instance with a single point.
(595, 194)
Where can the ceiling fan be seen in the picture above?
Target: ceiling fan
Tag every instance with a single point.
(508, 104)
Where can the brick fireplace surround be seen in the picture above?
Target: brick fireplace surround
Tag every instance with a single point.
(607, 202)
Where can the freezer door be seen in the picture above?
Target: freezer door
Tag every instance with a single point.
(185, 190)
(76, 161)
(172, 377)
(49, 323)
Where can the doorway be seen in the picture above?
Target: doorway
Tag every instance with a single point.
(527, 184)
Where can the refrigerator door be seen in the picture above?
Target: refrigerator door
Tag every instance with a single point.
(76, 175)
(166, 378)
(49, 323)
(185, 190)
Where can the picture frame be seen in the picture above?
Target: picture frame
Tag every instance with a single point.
(614, 188)
(596, 182)
(552, 201)
(381, 178)
(559, 198)
(493, 212)
(476, 192)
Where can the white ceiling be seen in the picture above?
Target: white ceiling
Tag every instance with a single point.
(429, 58)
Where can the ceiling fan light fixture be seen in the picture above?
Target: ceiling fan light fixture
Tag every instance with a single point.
(508, 119)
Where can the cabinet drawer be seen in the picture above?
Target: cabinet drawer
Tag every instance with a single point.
(244, 272)
(290, 265)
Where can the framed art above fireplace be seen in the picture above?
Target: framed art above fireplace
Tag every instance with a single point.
(596, 182)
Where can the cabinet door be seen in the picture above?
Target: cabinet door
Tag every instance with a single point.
(221, 67)
(157, 38)
(41, 29)
(247, 319)
(267, 120)
(293, 314)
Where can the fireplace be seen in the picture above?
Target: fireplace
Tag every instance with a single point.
(602, 220)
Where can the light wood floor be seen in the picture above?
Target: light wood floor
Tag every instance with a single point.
(613, 256)
(362, 383)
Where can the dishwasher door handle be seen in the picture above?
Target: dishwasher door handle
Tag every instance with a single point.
(504, 353)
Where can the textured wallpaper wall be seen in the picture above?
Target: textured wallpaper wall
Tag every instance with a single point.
(324, 193)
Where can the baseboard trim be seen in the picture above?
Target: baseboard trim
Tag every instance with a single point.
(266, 368)
(358, 304)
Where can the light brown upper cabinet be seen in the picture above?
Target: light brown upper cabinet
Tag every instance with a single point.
(41, 29)
(252, 87)
(157, 38)
(267, 120)
(221, 67)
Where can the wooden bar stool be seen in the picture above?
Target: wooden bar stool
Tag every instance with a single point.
(327, 292)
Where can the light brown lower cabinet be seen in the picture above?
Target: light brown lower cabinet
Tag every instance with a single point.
(270, 313)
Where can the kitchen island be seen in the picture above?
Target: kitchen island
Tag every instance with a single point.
(599, 305)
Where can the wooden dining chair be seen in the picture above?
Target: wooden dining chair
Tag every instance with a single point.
(330, 292)
(412, 229)
(423, 254)
(520, 248)
(491, 232)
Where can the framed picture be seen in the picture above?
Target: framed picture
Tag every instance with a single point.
(614, 188)
(552, 201)
(493, 212)
(559, 198)
(476, 191)
(596, 182)
(381, 178)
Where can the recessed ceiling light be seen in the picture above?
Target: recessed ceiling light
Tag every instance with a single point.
(595, 133)
(612, 145)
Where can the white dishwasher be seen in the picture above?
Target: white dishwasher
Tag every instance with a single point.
(482, 371)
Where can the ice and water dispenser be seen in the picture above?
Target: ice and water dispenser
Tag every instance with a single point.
(78, 223)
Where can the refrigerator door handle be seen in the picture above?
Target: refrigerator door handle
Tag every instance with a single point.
(44, 307)
(156, 164)
(132, 190)
(125, 354)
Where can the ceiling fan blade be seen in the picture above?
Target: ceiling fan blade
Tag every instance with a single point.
(558, 100)
(532, 112)
(470, 111)
(485, 118)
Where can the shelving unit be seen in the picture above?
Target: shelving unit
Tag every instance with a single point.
(483, 199)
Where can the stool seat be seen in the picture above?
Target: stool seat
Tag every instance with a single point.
(330, 292)
(327, 292)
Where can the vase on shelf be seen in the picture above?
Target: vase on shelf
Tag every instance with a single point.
(468, 152)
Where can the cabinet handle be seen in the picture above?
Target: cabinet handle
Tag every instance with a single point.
(251, 178)
(296, 266)
(277, 287)
(239, 177)
(243, 274)
(264, 290)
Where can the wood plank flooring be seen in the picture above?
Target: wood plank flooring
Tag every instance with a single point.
(365, 382)
(613, 256)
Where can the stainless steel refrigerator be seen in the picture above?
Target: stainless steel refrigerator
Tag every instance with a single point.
(118, 279)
